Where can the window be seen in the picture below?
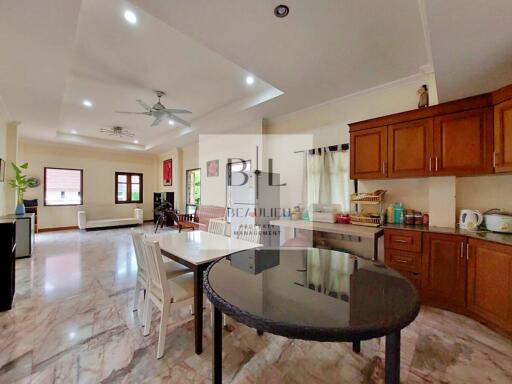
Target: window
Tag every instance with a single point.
(128, 188)
(193, 188)
(63, 186)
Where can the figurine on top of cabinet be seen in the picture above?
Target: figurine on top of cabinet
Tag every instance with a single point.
(423, 92)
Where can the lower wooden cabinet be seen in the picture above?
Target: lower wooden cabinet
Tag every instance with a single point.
(468, 276)
(489, 283)
(443, 272)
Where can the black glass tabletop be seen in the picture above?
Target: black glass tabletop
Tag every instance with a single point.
(312, 294)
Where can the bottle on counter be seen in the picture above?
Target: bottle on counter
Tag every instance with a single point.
(399, 213)
(425, 219)
(391, 214)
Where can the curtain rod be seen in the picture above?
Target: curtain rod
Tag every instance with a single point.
(331, 148)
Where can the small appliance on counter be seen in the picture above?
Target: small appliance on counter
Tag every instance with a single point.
(497, 220)
(470, 219)
(325, 213)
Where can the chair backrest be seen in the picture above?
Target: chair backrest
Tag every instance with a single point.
(217, 226)
(156, 271)
(137, 238)
(249, 232)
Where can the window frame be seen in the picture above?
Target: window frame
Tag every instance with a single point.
(81, 187)
(187, 204)
(129, 188)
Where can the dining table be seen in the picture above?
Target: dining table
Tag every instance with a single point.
(197, 250)
(311, 294)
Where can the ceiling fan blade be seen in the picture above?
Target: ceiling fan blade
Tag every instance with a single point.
(144, 105)
(179, 120)
(136, 113)
(170, 110)
(157, 120)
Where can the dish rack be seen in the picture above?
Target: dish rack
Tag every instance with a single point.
(375, 198)
(368, 198)
(365, 221)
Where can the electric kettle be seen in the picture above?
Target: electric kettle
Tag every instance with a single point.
(470, 219)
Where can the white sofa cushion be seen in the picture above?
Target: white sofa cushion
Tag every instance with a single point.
(83, 223)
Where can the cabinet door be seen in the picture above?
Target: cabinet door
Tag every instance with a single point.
(444, 270)
(410, 148)
(503, 136)
(463, 143)
(490, 282)
(368, 153)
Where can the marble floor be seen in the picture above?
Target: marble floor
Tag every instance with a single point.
(72, 322)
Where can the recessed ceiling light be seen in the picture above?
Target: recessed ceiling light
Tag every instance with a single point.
(87, 103)
(74, 132)
(281, 11)
(136, 141)
(171, 122)
(249, 80)
(130, 17)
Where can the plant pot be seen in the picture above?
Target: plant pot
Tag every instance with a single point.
(20, 209)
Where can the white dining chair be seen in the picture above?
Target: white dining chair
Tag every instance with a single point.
(249, 232)
(172, 268)
(163, 292)
(217, 226)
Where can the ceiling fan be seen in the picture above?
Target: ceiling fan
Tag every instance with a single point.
(117, 131)
(160, 112)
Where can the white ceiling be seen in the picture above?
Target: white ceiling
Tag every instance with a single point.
(55, 53)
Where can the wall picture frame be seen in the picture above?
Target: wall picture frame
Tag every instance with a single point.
(167, 172)
(212, 168)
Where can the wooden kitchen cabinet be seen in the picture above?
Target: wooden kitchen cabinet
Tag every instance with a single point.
(463, 143)
(503, 136)
(410, 148)
(443, 274)
(368, 154)
(489, 283)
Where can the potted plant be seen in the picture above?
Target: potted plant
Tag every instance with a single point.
(20, 183)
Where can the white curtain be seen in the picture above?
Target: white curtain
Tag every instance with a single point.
(327, 178)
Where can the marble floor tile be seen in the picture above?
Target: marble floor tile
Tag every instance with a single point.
(73, 322)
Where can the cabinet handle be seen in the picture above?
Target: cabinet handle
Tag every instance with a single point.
(494, 159)
(430, 164)
(467, 251)
(400, 241)
(461, 250)
(436, 163)
(383, 167)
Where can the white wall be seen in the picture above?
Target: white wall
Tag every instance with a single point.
(99, 168)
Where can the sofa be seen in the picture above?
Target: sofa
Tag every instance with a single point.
(206, 212)
(87, 224)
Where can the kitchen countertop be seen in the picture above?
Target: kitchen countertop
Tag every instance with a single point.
(345, 229)
(501, 238)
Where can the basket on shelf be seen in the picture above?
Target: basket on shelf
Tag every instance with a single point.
(365, 220)
(368, 198)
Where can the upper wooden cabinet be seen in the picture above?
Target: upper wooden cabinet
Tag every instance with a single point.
(368, 154)
(410, 148)
(466, 137)
(503, 136)
(489, 293)
(463, 143)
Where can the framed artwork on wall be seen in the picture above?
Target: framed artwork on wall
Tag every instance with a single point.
(167, 172)
(2, 170)
(212, 168)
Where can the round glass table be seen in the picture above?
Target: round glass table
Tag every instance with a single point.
(311, 294)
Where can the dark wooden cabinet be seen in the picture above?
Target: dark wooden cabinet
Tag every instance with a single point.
(463, 143)
(410, 148)
(368, 154)
(503, 136)
(443, 274)
(7, 262)
(489, 284)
